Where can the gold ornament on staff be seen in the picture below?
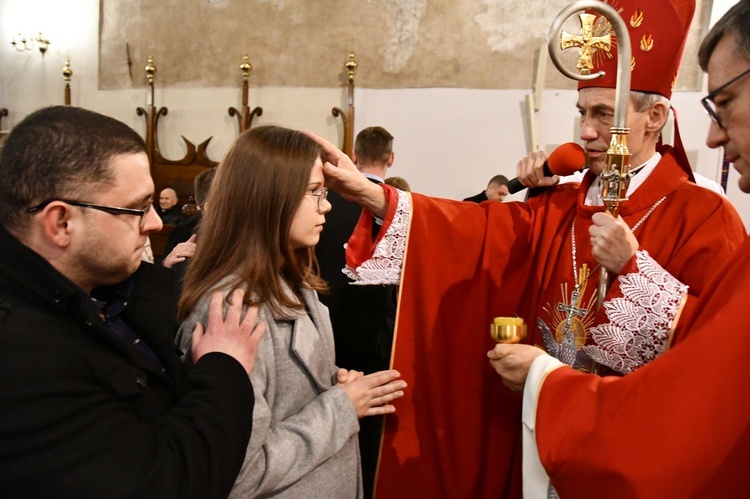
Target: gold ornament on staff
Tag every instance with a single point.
(615, 178)
(508, 329)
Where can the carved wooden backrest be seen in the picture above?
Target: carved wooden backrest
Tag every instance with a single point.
(176, 174)
(67, 74)
(245, 115)
(180, 174)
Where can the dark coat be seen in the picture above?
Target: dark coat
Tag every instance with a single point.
(181, 233)
(363, 317)
(172, 216)
(83, 414)
(482, 196)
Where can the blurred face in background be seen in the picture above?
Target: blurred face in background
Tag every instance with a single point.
(167, 199)
(497, 192)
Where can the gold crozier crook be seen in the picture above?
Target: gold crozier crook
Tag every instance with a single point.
(615, 178)
(586, 42)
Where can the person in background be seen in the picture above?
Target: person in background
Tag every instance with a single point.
(363, 317)
(398, 183)
(95, 402)
(678, 427)
(181, 241)
(168, 211)
(496, 190)
(267, 208)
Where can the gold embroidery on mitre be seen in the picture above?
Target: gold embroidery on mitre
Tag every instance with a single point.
(647, 42)
(601, 28)
(637, 18)
(674, 81)
(632, 63)
(587, 43)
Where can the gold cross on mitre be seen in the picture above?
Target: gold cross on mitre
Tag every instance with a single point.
(587, 42)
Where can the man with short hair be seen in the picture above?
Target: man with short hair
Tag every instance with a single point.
(461, 265)
(170, 213)
(496, 190)
(94, 401)
(679, 427)
(362, 317)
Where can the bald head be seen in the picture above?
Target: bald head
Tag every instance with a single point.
(167, 198)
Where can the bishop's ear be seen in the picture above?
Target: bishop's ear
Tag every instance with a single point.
(657, 116)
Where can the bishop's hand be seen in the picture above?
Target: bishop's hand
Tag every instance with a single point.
(512, 363)
(344, 178)
(612, 242)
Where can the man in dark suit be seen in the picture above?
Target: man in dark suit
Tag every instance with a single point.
(94, 401)
(168, 210)
(181, 241)
(363, 317)
(496, 190)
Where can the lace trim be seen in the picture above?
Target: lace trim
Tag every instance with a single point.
(639, 321)
(384, 267)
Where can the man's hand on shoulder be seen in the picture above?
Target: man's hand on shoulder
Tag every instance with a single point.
(234, 335)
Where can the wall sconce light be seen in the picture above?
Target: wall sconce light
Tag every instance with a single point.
(22, 43)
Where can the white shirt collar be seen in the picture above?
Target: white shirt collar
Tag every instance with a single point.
(373, 176)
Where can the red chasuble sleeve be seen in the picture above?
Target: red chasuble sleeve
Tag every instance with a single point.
(456, 433)
(678, 427)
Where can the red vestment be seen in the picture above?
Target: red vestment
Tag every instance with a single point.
(678, 427)
(456, 433)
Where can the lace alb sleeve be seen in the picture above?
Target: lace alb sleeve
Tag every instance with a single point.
(638, 322)
(384, 267)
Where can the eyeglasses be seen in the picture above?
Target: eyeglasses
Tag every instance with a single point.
(710, 105)
(113, 210)
(321, 194)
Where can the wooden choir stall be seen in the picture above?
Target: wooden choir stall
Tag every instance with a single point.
(179, 174)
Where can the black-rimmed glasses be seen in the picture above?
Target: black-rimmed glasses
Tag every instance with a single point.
(321, 194)
(113, 210)
(708, 101)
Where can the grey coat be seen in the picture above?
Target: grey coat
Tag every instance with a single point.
(304, 436)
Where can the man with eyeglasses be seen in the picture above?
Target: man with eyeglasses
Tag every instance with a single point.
(94, 401)
(464, 264)
(679, 427)
(362, 317)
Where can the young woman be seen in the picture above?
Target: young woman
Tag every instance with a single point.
(267, 210)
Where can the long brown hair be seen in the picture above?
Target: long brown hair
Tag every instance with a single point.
(245, 230)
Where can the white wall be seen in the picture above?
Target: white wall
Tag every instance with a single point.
(449, 142)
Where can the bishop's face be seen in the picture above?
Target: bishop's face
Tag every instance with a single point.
(597, 109)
